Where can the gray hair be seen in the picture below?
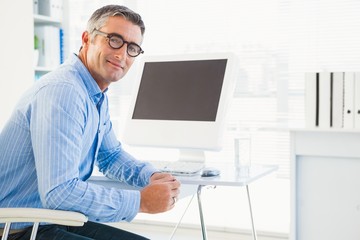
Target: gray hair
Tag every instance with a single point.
(99, 18)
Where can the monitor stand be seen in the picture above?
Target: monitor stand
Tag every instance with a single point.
(192, 155)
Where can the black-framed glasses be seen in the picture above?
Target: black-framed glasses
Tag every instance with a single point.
(116, 41)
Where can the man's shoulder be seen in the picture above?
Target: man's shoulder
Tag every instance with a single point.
(63, 75)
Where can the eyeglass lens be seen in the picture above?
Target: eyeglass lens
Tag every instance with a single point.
(117, 42)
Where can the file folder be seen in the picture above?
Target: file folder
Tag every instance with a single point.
(337, 100)
(349, 93)
(324, 100)
(311, 105)
(357, 100)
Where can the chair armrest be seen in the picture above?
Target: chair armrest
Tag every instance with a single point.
(61, 217)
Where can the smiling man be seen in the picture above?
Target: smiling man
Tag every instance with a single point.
(61, 128)
(104, 56)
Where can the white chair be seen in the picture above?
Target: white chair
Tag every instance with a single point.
(37, 216)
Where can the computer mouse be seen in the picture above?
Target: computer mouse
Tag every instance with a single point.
(210, 172)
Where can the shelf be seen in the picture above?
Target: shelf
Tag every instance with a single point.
(326, 130)
(43, 69)
(41, 19)
(48, 30)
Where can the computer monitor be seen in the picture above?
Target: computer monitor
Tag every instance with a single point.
(180, 102)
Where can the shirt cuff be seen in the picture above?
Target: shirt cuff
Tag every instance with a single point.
(129, 211)
(148, 171)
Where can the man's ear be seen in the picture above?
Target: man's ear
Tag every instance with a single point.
(85, 39)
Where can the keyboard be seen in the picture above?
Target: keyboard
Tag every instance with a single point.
(179, 167)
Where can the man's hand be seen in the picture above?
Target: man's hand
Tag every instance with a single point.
(161, 194)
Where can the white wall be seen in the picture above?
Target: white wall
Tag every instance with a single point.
(16, 58)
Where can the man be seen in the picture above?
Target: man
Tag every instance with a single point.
(61, 128)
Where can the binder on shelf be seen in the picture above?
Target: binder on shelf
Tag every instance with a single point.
(324, 91)
(337, 100)
(49, 47)
(35, 6)
(311, 102)
(357, 100)
(61, 41)
(51, 8)
(349, 93)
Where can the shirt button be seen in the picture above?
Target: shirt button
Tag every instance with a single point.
(99, 131)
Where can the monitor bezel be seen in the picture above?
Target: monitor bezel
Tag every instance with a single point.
(206, 135)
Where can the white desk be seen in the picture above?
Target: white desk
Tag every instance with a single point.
(229, 177)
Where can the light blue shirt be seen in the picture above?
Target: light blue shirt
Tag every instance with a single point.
(48, 148)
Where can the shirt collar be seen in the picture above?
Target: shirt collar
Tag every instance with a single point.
(92, 87)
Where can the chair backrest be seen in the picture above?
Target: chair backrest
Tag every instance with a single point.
(37, 216)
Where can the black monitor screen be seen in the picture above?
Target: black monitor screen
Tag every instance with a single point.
(180, 90)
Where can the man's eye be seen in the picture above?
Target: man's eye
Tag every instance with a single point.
(116, 40)
(132, 48)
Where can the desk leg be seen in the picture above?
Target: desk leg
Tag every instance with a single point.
(203, 226)
(251, 214)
